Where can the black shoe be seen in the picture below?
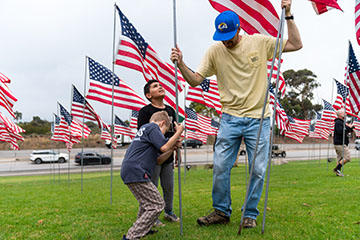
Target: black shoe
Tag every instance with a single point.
(124, 238)
(150, 232)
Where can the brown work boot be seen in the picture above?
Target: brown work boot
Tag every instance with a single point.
(216, 217)
(249, 223)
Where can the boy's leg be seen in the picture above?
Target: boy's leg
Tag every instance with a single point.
(167, 184)
(151, 201)
(155, 175)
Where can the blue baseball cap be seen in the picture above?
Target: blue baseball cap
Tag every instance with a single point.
(226, 25)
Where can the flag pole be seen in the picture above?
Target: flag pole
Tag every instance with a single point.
(281, 32)
(328, 153)
(82, 132)
(58, 149)
(260, 127)
(112, 106)
(69, 149)
(184, 136)
(343, 145)
(177, 120)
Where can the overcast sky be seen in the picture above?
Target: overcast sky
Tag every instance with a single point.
(43, 44)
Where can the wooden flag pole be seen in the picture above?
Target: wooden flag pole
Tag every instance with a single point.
(177, 120)
(281, 32)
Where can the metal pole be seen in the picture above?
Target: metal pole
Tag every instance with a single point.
(69, 150)
(185, 137)
(58, 148)
(328, 153)
(343, 145)
(281, 31)
(319, 151)
(177, 120)
(112, 107)
(82, 133)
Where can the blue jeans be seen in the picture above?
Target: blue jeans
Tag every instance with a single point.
(232, 130)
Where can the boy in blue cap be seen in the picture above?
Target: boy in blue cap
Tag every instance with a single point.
(138, 165)
(240, 65)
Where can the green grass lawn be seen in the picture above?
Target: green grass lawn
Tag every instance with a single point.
(306, 201)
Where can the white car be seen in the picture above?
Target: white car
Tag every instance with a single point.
(40, 156)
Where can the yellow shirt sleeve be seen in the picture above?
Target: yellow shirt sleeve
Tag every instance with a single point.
(207, 66)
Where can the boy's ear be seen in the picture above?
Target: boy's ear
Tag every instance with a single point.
(148, 95)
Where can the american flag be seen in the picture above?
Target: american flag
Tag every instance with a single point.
(299, 125)
(123, 128)
(322, 6)
(281, 119)
(4, 78)
(135, 53)
(10, 125)
(354, 82)
(134, 119)
(341, 95)
(7, 98)
(322, 133)
(357, 20)
(7, 136)
(256, 16)
(282, 83)
(9, 132)
(198, 122)
(321, 123)
(196, 135)
(82, 108)
(106, 135)
(293, 135)
(357, 126)
(207, 93)
(100, 89)
(61, 130)
(328, 113)
(75, 128)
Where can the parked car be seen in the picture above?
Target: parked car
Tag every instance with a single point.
(276, 151)
(92, 158)
(40, 156)
(192, 143)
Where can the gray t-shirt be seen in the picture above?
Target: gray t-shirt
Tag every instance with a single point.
(140, 158)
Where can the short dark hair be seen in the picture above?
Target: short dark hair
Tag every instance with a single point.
(161, 116)
(147, 87)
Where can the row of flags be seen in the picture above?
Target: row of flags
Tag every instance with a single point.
(9, 131)
(257, 16)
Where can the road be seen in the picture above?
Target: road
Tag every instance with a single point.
(17, 162)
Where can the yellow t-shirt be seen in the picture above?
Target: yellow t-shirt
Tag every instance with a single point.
(241, 74)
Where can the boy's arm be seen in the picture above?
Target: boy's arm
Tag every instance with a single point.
(172, 141)
(164, 156)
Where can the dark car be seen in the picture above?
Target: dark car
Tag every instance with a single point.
(92, 158)
(192, 143)
(277, 152)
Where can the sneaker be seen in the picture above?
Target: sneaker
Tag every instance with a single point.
(249, 223)
(171, 217)
(216, 217)
(338, 172)
(124, 238)
(158, 223)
